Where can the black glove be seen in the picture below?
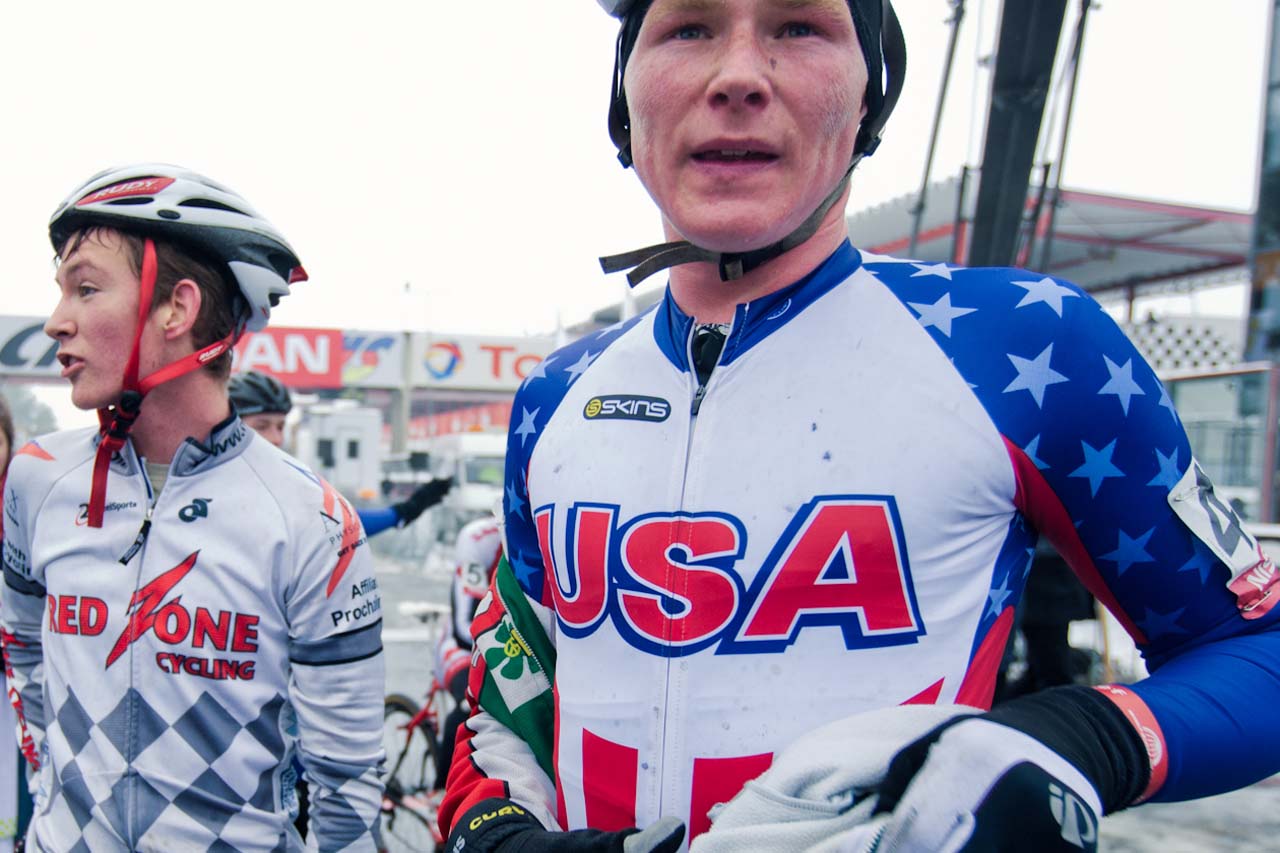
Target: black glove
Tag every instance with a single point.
(500, 826)
(423, 498)
(1036, 773)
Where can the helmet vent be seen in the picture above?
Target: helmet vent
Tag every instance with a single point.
(131, 200)
(210, 204)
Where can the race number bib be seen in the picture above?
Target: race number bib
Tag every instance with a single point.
(1253, 575)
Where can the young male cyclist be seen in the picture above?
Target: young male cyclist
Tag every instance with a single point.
(807, 485)
(263, 402)
(186, 608)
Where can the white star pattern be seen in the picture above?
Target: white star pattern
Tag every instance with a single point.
(1045, 290)
(1121, 383)
(939, 314)
(540, 369)
(580, 366)
(997, 597)
(1034, 375)
(1032, 448)
(1167, 402)
(526, 427)
(940, 270)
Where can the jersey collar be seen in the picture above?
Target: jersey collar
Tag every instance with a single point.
(756, 320)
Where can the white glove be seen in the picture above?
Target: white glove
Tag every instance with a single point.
(816, 795)
(979, 785)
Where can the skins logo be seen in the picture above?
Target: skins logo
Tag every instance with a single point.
(198, 508)
(627, 407)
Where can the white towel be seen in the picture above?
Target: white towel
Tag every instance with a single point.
(814, 796)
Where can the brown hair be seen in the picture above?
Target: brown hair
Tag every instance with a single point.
(6, 426)
(220, 294)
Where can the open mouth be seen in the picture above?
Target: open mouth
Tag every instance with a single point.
(70, 363)
(734, 155)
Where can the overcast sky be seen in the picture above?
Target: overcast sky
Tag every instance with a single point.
(461, 147)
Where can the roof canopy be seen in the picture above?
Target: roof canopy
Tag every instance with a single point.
(1100, 242)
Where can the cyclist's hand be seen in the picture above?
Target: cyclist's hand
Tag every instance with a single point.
(501, 826)
(423, 498)
(974, 784)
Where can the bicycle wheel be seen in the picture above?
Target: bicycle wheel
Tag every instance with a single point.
(408, 807)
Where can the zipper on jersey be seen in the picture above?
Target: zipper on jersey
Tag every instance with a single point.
(694, 365)
(701, 384)
(141, 538)
(138, 548)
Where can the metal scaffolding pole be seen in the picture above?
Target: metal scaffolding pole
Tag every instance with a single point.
(957, 14)
(1077, 47)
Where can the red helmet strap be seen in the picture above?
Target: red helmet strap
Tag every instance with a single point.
(116, 422)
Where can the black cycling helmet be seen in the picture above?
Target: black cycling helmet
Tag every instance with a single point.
(254, 393)
(880, 38)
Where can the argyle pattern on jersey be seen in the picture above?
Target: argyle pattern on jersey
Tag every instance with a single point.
(199, 750)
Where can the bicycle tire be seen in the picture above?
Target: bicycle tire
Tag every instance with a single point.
(408, 813)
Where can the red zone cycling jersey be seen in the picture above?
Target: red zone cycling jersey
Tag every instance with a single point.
(171, 664)
(841, 520)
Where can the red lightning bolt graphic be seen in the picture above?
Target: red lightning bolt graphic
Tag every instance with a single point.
(350, 534)
(146, 601)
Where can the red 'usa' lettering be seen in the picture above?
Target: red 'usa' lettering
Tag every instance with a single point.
(674, 583)
(843, 559)
(670, 555)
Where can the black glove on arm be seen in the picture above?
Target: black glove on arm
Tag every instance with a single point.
(500, 826)
(1032, 774)
(423, 498)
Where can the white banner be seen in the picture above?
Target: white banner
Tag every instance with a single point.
(475, 362)
(25, 350)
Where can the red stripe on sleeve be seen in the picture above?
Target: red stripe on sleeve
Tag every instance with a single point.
(1036, 500)
(979, 685)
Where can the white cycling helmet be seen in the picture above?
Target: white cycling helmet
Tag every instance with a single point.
(172, 203)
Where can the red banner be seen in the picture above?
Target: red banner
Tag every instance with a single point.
(300, 358)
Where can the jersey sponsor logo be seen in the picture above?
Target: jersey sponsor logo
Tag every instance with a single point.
(11, 504)
(76, 614)
(343, 528)
(484, 817)
(197, 509)
(237, 435)
(82, 513)
(627, 407)
(169, 620)
(15, 559)
(355, 614)
(1078, 823)
(670, 582)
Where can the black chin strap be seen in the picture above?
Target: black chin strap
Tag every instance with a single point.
(643, 263)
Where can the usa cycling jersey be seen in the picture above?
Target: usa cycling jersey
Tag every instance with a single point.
(172, 663)
(842, 519)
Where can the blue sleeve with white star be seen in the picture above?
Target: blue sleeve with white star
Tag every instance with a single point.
(1101, 448)
(537, 400)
